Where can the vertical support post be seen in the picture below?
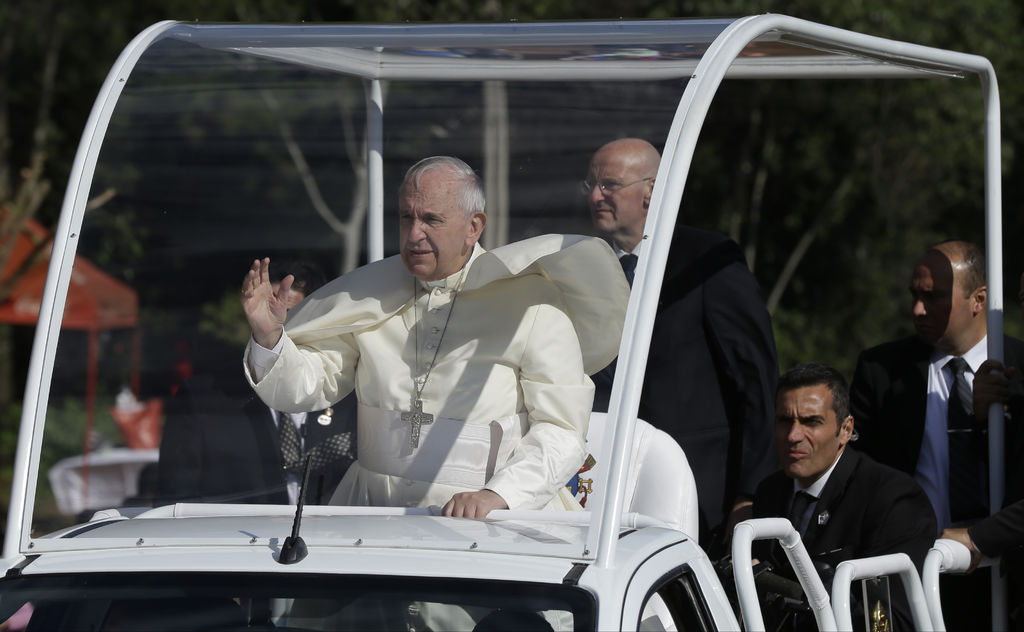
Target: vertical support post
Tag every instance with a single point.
(374, 169)
(994, 281)
(496, 163)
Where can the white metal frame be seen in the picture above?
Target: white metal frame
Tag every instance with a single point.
(945, 556)
(898, 564)
(782, 530)
(51, 309)
(668, 191)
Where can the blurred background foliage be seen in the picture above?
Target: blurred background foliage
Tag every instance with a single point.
(831, 219)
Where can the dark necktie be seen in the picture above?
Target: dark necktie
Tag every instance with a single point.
(628, 263)
(801, 502)
(967, 484)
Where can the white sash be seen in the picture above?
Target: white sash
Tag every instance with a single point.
(450, 452)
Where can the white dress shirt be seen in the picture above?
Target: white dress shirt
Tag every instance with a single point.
(933, 462)
(814, 489)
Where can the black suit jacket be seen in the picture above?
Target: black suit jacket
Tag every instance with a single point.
(220, 444)
(888, 399)
(712, 370)
(1001, 531)
(865, 509)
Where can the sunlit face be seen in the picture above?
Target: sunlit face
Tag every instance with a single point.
(291, 298)
(435, 236)
(620, 211)
(940, 307)
(808, 437)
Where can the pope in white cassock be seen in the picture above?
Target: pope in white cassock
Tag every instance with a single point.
(470, 366)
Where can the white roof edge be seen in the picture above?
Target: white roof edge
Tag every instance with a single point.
(466, 34)
(385, 66)
(852, 55)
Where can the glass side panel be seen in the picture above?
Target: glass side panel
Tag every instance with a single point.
(180, 601)
(214, 158)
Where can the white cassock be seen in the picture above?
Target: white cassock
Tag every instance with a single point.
(508, 390)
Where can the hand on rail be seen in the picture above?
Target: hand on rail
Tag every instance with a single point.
(960, 535)
(991, 386)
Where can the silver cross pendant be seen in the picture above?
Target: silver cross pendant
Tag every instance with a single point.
(416, 418)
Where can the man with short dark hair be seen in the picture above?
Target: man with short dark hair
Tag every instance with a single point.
(844, 504)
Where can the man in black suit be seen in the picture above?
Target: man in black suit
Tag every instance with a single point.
(221, 443)
(902, 390)
(844, 504)
(712, 367)
(908, 399)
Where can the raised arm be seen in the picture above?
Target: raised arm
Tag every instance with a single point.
(263, 309)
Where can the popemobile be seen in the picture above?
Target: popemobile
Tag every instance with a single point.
(212, 144)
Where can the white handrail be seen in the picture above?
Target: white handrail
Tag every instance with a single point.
(893, 564)
(945, 556)
(779, 529)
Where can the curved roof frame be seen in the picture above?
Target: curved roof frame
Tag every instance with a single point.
(671, 180)
(366, 51)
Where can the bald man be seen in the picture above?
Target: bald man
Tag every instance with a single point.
(712, 367)
(618, 188)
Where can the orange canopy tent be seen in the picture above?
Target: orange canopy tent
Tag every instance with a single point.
(95, 302)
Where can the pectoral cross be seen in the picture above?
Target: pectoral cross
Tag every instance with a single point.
(416, 418)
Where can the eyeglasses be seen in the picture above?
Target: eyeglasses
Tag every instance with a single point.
(608, 186)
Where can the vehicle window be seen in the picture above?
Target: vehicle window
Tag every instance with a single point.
(175, 601)
(676, 605)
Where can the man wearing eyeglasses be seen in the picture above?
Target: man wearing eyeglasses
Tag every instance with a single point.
(618, 189)
(712, 367)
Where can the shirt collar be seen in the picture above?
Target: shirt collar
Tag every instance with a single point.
(974, 356)
(619, 252)
(451, 282)
(815, 488)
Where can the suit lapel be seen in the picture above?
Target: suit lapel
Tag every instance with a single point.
(917, 404)
(829, 499)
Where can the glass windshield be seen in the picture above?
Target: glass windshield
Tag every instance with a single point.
(215, 158)
(179, 601)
